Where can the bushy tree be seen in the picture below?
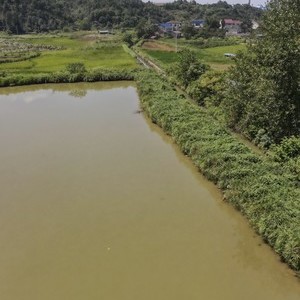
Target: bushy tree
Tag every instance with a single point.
(188, 68)
(208, 89)
(146, 29)
(128, 39)
(188, 30)
(263, 89)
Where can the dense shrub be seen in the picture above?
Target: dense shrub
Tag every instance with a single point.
(289, 148)
(208, 89)
(76, 68)
(260, 188)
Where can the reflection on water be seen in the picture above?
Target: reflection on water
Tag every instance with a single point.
(78, 93)
(97, 203)
(66, 87)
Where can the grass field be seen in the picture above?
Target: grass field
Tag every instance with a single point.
(91, 49)
(215, 56)
(165, 58)
(212, 56)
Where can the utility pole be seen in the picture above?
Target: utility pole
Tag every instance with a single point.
(249, 3)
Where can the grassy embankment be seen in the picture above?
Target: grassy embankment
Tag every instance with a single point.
(260, 188)
(103, 57)
(165, 53)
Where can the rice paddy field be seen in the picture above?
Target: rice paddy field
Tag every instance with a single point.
(213, 56)
(53, 53)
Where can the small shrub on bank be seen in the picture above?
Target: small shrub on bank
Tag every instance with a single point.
(75, 68)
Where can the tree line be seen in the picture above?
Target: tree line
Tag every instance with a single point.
(260, 95)
(23, 16)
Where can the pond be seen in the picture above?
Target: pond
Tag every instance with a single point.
(97, 203)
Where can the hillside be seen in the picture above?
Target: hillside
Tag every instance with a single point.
(23, 16)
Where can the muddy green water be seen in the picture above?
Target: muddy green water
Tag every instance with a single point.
(97, 203)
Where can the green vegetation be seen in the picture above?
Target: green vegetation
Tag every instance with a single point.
(212, 56)
(258, 96)
(264, 190)
(56, 53)
(215, 56)
(57, 60)
(93, 52)
(27, 16)
(208, 89)
(13, 50)
(188, 68)
(288, 149)
(67, 77)
(200, 43)
(263, 89)
(164, 58)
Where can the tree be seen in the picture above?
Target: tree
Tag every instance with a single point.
(128, 39)
(145, 29)
(188, 68)
(188, 30)
(246, 25)
(212, 23)
(208, 89)
(263, 90)
(22, 16)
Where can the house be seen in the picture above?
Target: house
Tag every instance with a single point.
(198, 23)
(166, 27)
(231, 26)
(170, 26)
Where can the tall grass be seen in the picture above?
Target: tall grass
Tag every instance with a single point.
(267, 194)
(67, 77)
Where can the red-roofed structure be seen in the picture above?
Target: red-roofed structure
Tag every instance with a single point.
(231, 26)
(231, 22)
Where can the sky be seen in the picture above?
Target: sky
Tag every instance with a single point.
(253, 2)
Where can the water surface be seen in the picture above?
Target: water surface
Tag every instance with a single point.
(97, 203)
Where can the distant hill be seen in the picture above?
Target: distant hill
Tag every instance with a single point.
(23, 16)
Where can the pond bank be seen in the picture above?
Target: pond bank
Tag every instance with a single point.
(260, 189)
(93, 75)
